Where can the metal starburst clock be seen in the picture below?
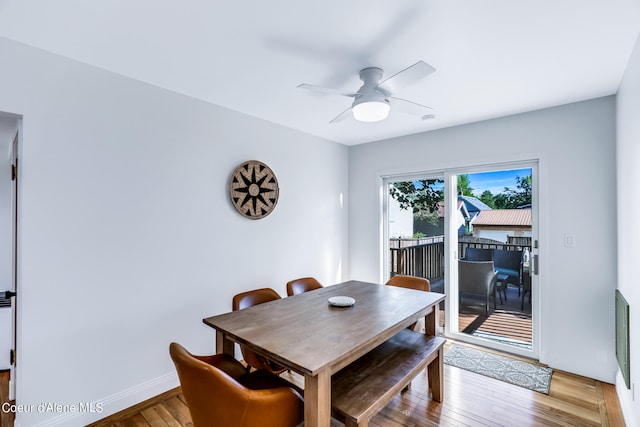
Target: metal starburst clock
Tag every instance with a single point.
(254, 189)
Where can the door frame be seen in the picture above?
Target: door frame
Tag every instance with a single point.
(15, 207)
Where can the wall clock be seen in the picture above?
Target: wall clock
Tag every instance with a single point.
(254, 189)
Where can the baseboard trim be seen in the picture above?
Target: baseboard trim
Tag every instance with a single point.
(115, 403)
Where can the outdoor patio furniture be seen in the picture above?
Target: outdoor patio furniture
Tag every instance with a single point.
(501, 286)
(478, 254)
(526, 286)
(478, 278)
(509, 263)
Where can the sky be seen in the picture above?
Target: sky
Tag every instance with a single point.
(495, 181)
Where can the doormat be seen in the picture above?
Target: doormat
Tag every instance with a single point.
(505, 369)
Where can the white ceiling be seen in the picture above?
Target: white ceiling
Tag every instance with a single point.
(493, 57)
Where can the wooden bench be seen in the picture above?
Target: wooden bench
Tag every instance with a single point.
(367, 385)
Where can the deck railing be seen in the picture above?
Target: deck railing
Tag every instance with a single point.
(427, 259)
(423, 260)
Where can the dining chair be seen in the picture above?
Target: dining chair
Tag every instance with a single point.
(410, 282)
(248, 299)
(219, 391)
(304, 284)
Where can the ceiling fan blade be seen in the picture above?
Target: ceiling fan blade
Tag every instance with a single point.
(409, 107)
(409, 75)
(327, 90)
(340, 117)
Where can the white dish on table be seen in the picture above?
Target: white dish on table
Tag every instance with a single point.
(341, 301)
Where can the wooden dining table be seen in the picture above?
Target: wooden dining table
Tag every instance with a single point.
(315, 339)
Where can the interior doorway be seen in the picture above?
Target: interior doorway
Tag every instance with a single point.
(9, 145)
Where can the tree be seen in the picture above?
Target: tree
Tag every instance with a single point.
(421, 196)
(488, 199)
(515, 198)
(464, 186)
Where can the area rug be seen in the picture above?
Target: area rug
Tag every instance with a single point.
(505, 369)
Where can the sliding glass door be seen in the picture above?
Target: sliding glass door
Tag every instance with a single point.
(473, 233)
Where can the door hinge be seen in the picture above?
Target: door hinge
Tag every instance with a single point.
(13, 172)
(12, 357)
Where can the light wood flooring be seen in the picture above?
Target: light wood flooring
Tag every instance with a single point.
(469, 400)
(6, 419)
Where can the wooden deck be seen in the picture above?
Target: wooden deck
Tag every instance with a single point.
(508, 323)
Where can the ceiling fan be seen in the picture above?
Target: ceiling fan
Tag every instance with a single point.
(373, 101)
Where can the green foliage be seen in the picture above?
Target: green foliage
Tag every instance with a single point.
(488, 199)
(421, 196)
(513, 198)
(419, 235)
(464, 186)
(432, 217)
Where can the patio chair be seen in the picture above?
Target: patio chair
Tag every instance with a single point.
(477, 278)
(509, 263)
(478, 254)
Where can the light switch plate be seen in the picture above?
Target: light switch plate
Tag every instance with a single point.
(570, 240)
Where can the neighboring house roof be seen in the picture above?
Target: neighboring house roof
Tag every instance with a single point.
(500, 217)
(473, 205)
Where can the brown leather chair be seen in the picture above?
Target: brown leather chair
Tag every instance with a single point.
(246, 300)
(304, 284)
(410, 282)
(220, 392)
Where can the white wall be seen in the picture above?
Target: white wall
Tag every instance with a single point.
(128, 238)
(628, 159)
(576, 147)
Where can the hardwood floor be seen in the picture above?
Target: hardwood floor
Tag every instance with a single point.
(6, 418)
(470, 400)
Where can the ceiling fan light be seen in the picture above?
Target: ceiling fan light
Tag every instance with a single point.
(371, 111)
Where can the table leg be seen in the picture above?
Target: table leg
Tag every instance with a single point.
(431, 321)
(436, 372)
(436, 367)
(317, 400)
(223, 345)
